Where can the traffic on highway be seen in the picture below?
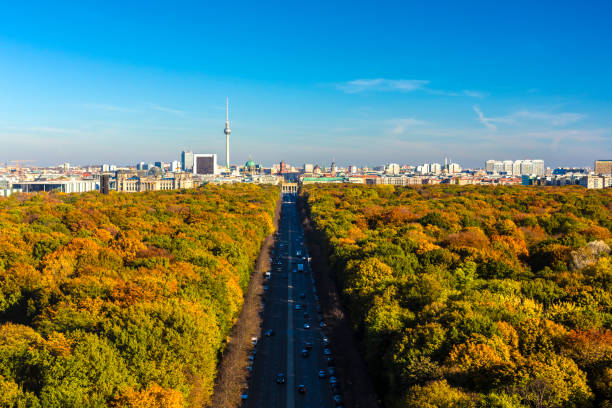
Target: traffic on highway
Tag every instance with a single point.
(292, 364)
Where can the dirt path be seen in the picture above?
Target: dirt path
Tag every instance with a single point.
(232, 377)
(356, 385)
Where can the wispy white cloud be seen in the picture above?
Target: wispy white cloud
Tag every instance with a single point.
(166, 109)
(109, 107)
(529, 117)
(464, 92)
(488, 122)
(474, 94)
(401, 125)
(47, 129)
(402, 85)
(555, 119)
(149, 106)
(382, 84)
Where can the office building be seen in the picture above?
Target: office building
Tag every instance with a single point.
(454, 168)
(187, 160)
(435, 168)
(308, 168)
(596, 181)
(392, 168)
(204, 164)
(60, 186)
(104, 183)
(603, 166)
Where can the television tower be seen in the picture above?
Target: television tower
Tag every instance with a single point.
(227, 132)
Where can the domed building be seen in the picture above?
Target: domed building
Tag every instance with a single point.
(155, 172)
(250, 167)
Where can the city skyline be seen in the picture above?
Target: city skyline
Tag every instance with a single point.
(307, 84)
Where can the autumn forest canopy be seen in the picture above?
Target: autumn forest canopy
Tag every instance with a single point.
(475, 296)
(123, 300)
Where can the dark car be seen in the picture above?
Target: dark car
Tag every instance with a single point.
(302, 296)
(322, 374)
(331, 371)
(331, 362)
(338, 399)
(308, 345)
(305, 353)
(280, 378)
(306, 315)
(327, 351)
(333, 380)
(335, 388)
(301, 389)
(269, 333)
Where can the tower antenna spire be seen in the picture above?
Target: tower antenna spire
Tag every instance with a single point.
(227, 132)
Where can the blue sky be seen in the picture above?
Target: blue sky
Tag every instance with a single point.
(361, 82)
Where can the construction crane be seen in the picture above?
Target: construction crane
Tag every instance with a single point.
(19, 165)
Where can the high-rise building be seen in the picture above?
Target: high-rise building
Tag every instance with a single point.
(308, 168)
(538, 167)
(141, 166)
(227, 132)
(516, 168)
(187, 160)
(175, 166)
(105, 183)
(603, 166)
(204, 163)
(392, 168)
(283, 167)
(435, 168)
(492, 166)
(454, 168)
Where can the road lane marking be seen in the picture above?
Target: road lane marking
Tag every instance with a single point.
(290, 367)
